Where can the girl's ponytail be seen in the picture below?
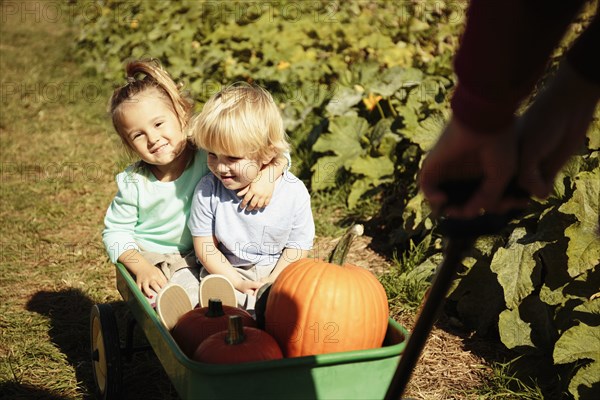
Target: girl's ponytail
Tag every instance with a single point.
(146, 74)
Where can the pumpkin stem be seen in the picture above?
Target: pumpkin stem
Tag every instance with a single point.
(215, 308)
(235, 330)
(340, 251)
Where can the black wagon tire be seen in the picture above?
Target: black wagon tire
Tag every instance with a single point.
(105, 352)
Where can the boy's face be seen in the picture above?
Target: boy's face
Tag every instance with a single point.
(234, 172)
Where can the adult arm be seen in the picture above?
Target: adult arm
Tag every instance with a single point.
(548, 142)
(497, 66)
(503, 52)
(570, 98)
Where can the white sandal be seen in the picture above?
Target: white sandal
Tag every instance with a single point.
(216, 286)
(171, 303)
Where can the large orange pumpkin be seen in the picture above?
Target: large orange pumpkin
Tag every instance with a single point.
(238, 344)
(316, 307)
(198, 324)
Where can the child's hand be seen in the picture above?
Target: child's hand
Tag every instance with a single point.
(150, 281)
(249, 287)
(258, 194)
(266, 279)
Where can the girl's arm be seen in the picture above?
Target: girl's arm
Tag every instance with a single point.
(258, 194)
(288, 256)
(148, 278)
(215, 263)
(118, 236)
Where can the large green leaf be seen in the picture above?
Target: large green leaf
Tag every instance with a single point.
(586, 377)
(514, 332)
(584, 248)
(382, 140)
(588, 310)
(579, 342)
(479, 297)
(593, 134)
(416, 212)
(591, 306)
(359, 187)
(487, 245)
(554, 297)
(343, 100)
(392, 79)
(372, 167)
(426, 269)
(374, 170)
(365, 73)
(584, 203)
(343, 139)
(387, 145)
(584, 244)
(428, 131)
(539, 316)
(567, 173)
(410, 119)
(324, 172)
(514, 267)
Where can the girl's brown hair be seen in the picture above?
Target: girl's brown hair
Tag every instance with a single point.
(145, 75)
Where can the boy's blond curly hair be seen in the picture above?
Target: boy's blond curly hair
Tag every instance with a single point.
(241, 120)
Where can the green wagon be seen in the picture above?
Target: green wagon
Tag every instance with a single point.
(364, 374)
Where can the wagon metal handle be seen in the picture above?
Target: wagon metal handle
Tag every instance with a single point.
(461, 234)
(458, 192)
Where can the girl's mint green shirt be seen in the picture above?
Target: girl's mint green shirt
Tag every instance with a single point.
(149, 215)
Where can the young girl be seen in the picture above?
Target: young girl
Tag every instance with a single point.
(242, 131)
(145, 225)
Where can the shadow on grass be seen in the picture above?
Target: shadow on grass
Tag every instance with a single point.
(69, 313)
(19, 391)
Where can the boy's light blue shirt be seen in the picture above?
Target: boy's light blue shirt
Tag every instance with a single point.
(255, 237)
(150, 215)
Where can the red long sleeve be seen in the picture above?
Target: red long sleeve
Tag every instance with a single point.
(504, 50)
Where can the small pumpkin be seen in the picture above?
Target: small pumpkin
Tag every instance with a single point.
(316, 307)
(198, 324)
(238, 344)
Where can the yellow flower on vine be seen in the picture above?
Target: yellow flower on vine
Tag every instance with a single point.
(371, 101)
(283, 65)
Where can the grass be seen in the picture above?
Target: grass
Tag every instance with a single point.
(503, 384)
(404, 287)
(59, 156)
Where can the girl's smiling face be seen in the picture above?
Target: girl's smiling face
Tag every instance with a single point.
(151, 128)
(234, 172)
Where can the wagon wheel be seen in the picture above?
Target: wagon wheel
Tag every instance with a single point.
(105, 351)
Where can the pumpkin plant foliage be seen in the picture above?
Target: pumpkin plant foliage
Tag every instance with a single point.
(364, 90)
(547, 270)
